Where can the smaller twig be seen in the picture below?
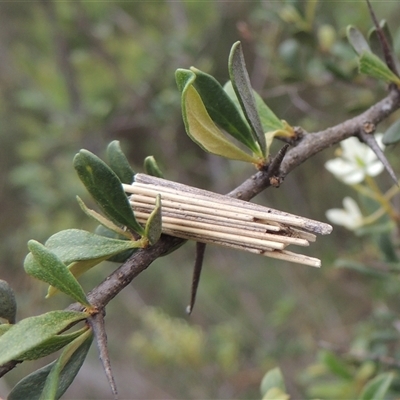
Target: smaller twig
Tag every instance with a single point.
(274, 166)
(369, 139)
(198, 265)
(387, 51)
(96, 322)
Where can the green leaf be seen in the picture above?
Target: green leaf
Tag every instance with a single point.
(82, 250)
(47, 267)
(377, 388)
(51, 345)
(75, 245)
(335, 365)
(106, 189)
(153, 228)
(372, 65)
(119, 163)
(373, 37)
(269, 121)
(120, 257)
(77, 268)
(8, 304)
(244, 92)
(387, 248)
(272, 379)
(357, 40)
(275, 394)
(151, 167)
(31, 387)
(392, 135)
(102, 220)
(50, 390)
(223, 111)
(33, 331)
(200, 127)
(4, 328)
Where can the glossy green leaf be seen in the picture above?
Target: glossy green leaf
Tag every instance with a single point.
(102, 220)
(50, 389)
(203, 131)
(377, 388)
(8, 304)
(151, 167)
(372, 65)
(119, 163)
(105, 187)
(51, 345)
(392, 135)
(272, 379)
(33, 331)
(75, 244)
(244, 92)
(153, 228)
(357, 40)
(31, 387)
(223, 111)
(47, 267)
(335, 365)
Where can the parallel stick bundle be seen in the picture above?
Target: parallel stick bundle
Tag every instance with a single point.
(207, 217)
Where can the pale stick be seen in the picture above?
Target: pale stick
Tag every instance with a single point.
(294, 257)
(309, 224)
(188, 232)
(219, 228)
(187, 212)
(230, 205)
(202, 216)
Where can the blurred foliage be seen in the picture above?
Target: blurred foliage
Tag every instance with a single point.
(80, 74)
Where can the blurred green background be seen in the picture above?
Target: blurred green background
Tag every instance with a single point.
(80, 74)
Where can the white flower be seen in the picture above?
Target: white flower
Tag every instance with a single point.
(350, 217)
(356, 161)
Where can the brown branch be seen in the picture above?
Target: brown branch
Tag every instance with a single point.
(308, 146)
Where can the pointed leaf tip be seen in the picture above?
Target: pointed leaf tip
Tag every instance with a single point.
(244, 92)
(153, 228)
(151, 167)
